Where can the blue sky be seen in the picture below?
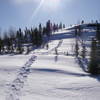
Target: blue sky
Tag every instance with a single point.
(22, 13)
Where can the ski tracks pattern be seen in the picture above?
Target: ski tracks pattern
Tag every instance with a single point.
(16, 86)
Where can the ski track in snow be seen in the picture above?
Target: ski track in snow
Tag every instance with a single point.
(58, 45)
(18, 83)
(51, 50)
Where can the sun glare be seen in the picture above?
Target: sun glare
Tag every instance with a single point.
(48, 5)
(51, 4)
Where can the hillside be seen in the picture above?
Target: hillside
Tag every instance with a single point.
(47, 74)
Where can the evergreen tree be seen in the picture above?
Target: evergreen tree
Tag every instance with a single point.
(0, 45)
(98, 32)
(37, 37)
(60, 26)
(25, 35)
(19, 37)
(83, 52)
(98, 45)
(82, 22)
(5, 41)
(57, 27)
(96, 21)
(54, 27)
(33, 37)
(44, 30)
(98, 55)
(63, 25)
(0, 42)
(28, 35)
(40, 28)
(9, 45)
(79, 30)
(12, 39)
(93, 65)
(48, 28)
(76, 33)
(76, 48)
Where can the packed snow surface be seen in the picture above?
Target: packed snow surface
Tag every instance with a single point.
(47, 74)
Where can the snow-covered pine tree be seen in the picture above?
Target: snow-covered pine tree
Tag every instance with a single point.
(60, 25)
(98, 32)
(64, 26)
(37, 37)
(48, 28)
(19, 37)
(98, 46)
(93, 65)
(0, 45)
(76, 48)
(83, 52)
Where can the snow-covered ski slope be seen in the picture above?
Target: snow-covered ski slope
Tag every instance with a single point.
(48, 74)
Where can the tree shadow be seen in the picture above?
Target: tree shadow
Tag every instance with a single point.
(56, 58)
(97, 77)
(56, 71)
(83, 66)
(61, 36)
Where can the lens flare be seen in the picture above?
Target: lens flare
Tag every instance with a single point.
(46, 5)
(36, 11)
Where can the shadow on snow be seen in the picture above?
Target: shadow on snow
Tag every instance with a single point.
(61, 36)
(56, 71)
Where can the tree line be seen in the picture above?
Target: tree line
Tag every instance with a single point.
(94, 66)
(13, 41)
(94, 61)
